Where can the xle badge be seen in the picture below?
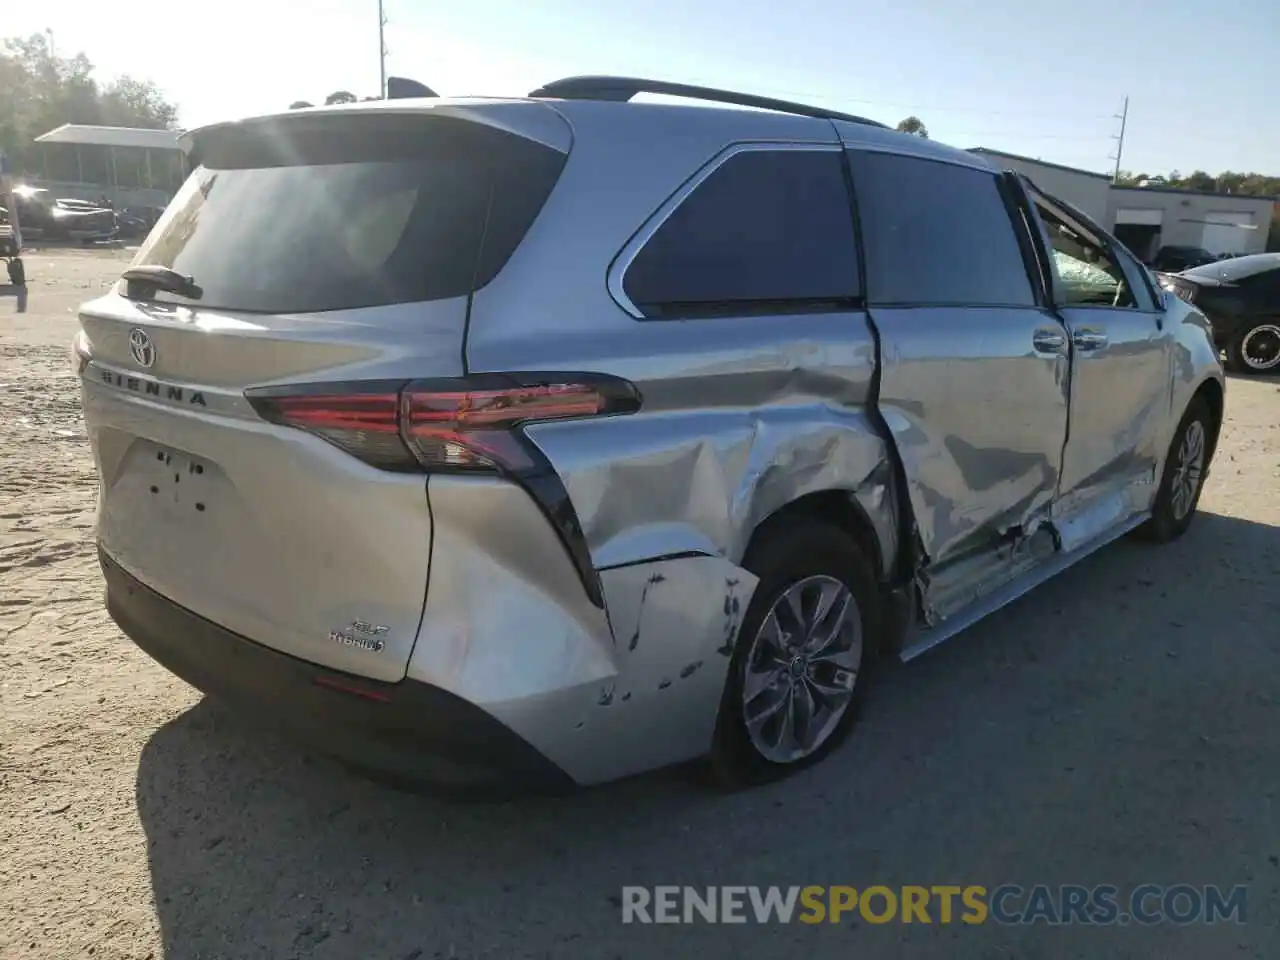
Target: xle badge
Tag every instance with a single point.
(362, 634)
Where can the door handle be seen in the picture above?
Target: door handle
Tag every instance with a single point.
(1048, 341)
(1085, 340)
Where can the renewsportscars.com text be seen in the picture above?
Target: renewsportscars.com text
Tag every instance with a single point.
(1145, 904)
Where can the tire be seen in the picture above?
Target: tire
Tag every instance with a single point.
(1255, 348)
(813, 557)
(17, 272)
(1172, 512)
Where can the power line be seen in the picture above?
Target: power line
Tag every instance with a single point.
(810, 94)
(1079, 138)
(841, 99)
(897, 104)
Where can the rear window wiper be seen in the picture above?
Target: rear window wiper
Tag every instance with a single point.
(145, 280)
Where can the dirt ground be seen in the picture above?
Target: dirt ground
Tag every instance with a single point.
(1121, 725)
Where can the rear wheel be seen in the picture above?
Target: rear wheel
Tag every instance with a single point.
(1183, 480)
(17, 272)
(798, 668)
(1256, 348)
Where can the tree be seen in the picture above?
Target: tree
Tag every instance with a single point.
(300, 105)
(1201, 182)
(1245, 184)
(914, 126)
(39, 92)
(339, 96)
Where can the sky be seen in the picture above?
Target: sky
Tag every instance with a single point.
(1041, 78)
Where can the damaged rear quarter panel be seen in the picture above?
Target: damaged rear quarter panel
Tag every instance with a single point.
(740, 418)
(676, 622)
(510, 629)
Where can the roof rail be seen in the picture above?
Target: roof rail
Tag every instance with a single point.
(622, 89)
(402, 88)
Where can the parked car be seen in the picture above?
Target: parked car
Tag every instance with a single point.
(131, 226)
(1241, 298)
(81, 206)
(1175, 258)
(545, 441)
(45, 218)
(136, 222)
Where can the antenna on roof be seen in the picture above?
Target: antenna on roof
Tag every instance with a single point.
(402, 88)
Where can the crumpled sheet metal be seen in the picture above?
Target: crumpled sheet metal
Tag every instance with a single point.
(676, 622)
(506, 617)
(977, 420)
(701, 482)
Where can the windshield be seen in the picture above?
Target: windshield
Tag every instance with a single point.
(1236, 268)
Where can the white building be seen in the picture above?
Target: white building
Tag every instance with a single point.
(1148, 218)
(128, 165)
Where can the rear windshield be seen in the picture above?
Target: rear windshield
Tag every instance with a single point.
(1237, 268)
(312, 214)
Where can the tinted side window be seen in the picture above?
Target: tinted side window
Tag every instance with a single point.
(1137, 277)
(937, 234)
(769, 231)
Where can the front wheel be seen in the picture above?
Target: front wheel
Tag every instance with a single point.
(798, 668)
(1256, 348)
(1183, 479)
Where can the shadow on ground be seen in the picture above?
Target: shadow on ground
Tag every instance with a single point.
(1116, 726)
(35, 247)
(1256, 377)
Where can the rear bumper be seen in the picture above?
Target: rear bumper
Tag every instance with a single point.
(408, 733)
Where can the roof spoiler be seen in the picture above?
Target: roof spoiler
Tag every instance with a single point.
(622, 89)
(402, 88)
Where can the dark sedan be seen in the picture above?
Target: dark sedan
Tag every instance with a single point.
(1241, 298)
(1173, 258)
(44, 218)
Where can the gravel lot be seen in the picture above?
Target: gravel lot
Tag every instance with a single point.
(1121, 725)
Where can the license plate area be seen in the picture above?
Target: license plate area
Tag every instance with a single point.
(177, 483)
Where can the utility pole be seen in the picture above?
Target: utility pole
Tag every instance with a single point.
(1123, 117)
(382, 53)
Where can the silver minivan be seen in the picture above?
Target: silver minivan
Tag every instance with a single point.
(535, 442)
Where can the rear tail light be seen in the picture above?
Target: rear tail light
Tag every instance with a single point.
(363, 420)
(468, 423)
(463, 424)
(472, 429)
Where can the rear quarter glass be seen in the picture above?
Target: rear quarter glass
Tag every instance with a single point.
(342, 212)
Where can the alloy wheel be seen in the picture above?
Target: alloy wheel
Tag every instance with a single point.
(1260, 348)
(801, 669)
(1188, 469)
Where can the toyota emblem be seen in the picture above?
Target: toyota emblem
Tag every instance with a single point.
(140, 345)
